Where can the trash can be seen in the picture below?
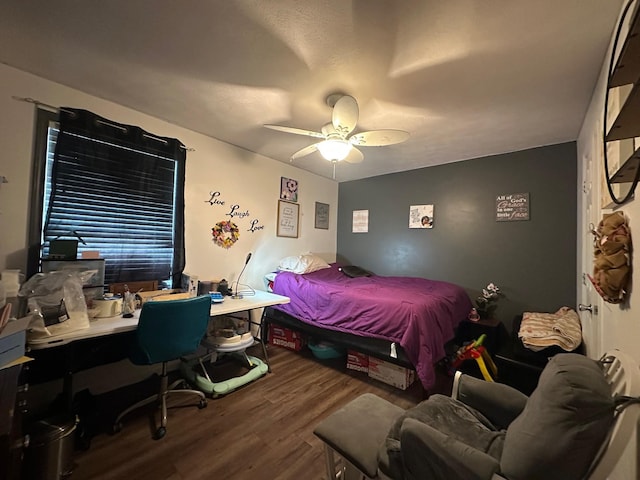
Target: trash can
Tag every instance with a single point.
(50, 450)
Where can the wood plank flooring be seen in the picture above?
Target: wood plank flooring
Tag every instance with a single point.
(263, 430)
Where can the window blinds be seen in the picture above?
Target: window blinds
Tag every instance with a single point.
(122, 190)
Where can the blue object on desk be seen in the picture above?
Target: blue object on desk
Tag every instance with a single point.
(216, 297)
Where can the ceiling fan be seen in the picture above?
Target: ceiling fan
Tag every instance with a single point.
(337, 141)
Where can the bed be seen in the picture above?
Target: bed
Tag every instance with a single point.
(405, 320)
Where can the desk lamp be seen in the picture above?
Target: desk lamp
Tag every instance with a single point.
(237, 294)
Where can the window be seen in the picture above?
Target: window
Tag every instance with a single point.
(115, 187)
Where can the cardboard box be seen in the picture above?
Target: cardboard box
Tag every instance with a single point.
(391, 373)
(283, 337)
(144, 296)
(13, 339)
(357, 361)
(171, 296)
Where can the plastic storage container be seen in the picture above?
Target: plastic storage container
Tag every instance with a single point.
(325, 350)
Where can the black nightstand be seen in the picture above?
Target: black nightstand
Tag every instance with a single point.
(493, 329)
(520, 367)
(467, 331)
(516, 372)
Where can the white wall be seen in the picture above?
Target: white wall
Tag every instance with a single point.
(243, 178)
(619, 325)
(616, 326)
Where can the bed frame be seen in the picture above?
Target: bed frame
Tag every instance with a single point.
(370, 346)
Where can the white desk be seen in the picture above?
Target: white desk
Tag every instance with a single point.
(100, 327)
(104, 327)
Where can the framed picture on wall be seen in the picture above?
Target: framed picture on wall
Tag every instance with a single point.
(288, 189)
(360, 221)
(322, 216)
(288, 216)
(512, 207)
(421, 216)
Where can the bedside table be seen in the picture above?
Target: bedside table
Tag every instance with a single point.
(515, 372)
(493, 329)
(519, 366)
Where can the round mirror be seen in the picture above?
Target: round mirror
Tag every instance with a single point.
(621, 160)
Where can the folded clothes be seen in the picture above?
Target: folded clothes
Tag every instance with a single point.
(541, 330)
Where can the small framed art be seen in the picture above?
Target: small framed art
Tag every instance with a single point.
(360, 221)
(322, 216)
(288, 216)
(421, 216)
(288, 189)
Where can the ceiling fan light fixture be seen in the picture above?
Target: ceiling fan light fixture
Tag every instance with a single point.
(334, 149)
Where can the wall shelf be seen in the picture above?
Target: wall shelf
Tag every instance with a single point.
(626, 69)
(627, 122)
(627, 171)
(623, 98)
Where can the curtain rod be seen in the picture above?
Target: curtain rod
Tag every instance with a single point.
(38, 103)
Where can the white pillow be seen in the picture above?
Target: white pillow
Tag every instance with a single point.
(306, 263)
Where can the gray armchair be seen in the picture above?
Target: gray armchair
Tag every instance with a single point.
(567, 429)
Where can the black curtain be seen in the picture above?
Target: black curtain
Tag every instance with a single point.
(121, 190)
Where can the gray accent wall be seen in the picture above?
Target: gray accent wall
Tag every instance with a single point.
(533, 261)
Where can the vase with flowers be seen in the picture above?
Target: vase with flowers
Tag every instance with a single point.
(486, 303)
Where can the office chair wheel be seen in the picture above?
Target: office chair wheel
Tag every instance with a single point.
(160, 433)
(116, 427)
(202, 404)
(83, 439)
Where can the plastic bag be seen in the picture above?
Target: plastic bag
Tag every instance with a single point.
(56, 303)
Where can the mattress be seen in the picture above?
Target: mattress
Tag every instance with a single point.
(419, 314)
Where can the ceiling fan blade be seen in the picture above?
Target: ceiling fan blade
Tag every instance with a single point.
(378, 138)
(297, 131)
(355, 156)
(345, 115)
(304, 151)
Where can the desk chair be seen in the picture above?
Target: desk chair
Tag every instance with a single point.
(166, 331)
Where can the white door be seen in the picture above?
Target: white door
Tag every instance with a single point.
(589, 302)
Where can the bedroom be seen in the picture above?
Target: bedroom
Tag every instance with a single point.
(468, 247)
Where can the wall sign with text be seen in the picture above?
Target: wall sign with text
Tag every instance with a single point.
(512, 207)
(360, 221)
(322, 216)
(288, 216)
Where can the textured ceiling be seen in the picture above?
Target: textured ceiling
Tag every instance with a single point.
(466, 78)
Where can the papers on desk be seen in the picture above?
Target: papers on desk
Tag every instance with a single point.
(17, 361)
(13, 340)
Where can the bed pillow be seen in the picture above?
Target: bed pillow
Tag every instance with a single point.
(354, 271)
(305, 263)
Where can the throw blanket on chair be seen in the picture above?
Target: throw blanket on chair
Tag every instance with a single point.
(542, 330)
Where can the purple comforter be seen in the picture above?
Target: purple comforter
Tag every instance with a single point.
(419, 314)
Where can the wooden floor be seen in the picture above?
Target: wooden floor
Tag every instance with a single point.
(262, 431)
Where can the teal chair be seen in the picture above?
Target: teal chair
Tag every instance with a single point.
(168, 330)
